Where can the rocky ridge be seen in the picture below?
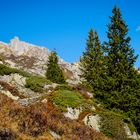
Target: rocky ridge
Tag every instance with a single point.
(33, 59)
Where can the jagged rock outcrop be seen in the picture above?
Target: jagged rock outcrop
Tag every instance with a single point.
(34, 58)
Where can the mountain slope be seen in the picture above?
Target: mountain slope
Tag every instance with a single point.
(34, 58)
(32, 107)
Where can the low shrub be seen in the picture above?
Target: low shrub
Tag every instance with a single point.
(63, 87)
(112, 125)
(23, 73)
(7, 134)
(126, 118)
(6, 70)
(36, 83)
(129, 139)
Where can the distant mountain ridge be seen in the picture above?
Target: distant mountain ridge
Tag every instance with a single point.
(34, 58)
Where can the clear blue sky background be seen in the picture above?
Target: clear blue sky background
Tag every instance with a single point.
(64, 24)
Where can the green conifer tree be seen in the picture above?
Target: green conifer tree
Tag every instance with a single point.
(54, 73)
(120, 60)
(92, 62)
(122, 89)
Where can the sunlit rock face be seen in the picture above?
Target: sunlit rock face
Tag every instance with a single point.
(33, 58)
(93, 121)
(19, 47)
(23, 48)
(73, 113)
(4, 48)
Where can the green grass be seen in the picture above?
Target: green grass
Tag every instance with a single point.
(36, 83)
(65, 98)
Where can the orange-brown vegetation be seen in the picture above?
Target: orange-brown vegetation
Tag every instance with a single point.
(35, 121)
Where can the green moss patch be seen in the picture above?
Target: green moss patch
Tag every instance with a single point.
(66, 98)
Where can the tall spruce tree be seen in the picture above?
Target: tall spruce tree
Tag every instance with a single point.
(54, 73)
(122, 90)
(120, 60)
(92, 62)
(120, 54)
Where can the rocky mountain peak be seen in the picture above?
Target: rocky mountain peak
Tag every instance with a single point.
(15, 38)
(19, 47)
(34, 58)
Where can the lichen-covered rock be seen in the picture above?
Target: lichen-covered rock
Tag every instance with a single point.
(90, 94)
(73, 113)
(132, 135)
(93, 108)
(12, 64)
(15, 79)
(28, 101)
(92, 121)
(19, 82)
(44, 101)
(52, 86)
(8, 93)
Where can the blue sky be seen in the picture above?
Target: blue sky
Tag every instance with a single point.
(64, 24)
